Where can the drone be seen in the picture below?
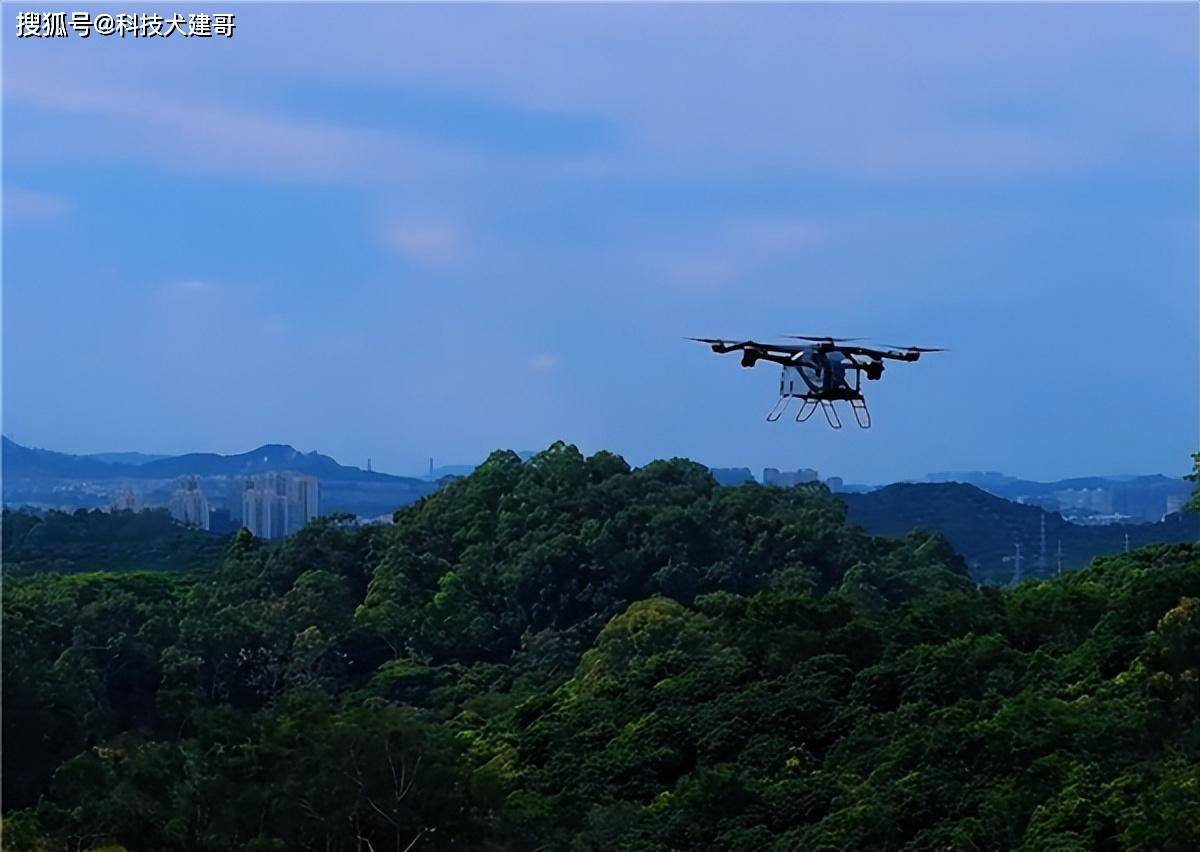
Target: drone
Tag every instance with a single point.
(820, 371)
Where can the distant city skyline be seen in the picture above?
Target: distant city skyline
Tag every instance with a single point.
(445, 230)
(278, 499)
(774, 472)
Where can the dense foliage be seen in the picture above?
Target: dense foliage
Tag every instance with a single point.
(567, 654)
(84, 540)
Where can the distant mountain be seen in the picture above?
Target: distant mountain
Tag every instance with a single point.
(124, 458)
(22, 461)
(266, 458)
(1010, 486)
(48, 479)
(985, 528)
(1141, 498)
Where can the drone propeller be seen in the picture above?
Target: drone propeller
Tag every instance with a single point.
(915, 348)
(823, 339)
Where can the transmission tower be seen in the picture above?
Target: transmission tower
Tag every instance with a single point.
(1042, 563)
(1016, 577)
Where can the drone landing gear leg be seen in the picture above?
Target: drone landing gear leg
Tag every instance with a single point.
(806, 410)
(779, 408)
(831, 414)
(861, 413)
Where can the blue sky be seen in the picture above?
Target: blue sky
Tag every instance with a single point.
(397, 232)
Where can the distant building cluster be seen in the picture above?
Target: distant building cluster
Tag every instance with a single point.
(270, 505)
(188, 504)
(1088, 500)
(274, 505)
(773, 477)
(1099, 500)
(788, 478)
(125, 500)
(1107, 505)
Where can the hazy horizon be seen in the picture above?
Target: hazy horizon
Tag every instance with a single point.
(756, 471)
(424, 231)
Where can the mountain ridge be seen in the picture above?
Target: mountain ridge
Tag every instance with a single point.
(22, 461)
(985, 528)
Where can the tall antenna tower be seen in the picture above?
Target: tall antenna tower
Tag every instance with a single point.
(1126, 542)
(1060, 557)
(1016, 577)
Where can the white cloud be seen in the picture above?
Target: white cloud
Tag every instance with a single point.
(717, 255)
(209, 136)
(191, 287)
(860, 91)
(21, 203)
(543, 362)
(427, 242)
(694, 270)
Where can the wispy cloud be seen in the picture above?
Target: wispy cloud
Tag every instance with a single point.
(426, 242)
(209, 136)
(190, 287)
(21, 204)
(715, 255)
(927, 106)
(543, 362)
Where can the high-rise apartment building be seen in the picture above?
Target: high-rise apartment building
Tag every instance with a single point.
(274, 505)
(125, 500)
(188, 504)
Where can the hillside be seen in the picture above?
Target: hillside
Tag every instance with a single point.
(570, 654)
(19, 461)
(104, 541)
(269, 457)
(125, 458)
(984, 528)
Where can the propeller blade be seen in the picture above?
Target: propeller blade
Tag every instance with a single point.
(719, 344)
(822, 339)
(915, 348)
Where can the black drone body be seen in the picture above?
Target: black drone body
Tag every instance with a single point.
(820, 371)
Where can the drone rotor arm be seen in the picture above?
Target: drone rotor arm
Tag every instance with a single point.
(911, 353)
(720, 345)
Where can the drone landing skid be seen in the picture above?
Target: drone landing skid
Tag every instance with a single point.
(831, 414)
(861, 413)
(808, 407)
(779, 408)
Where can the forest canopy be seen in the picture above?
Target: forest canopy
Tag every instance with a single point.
(566, 653)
